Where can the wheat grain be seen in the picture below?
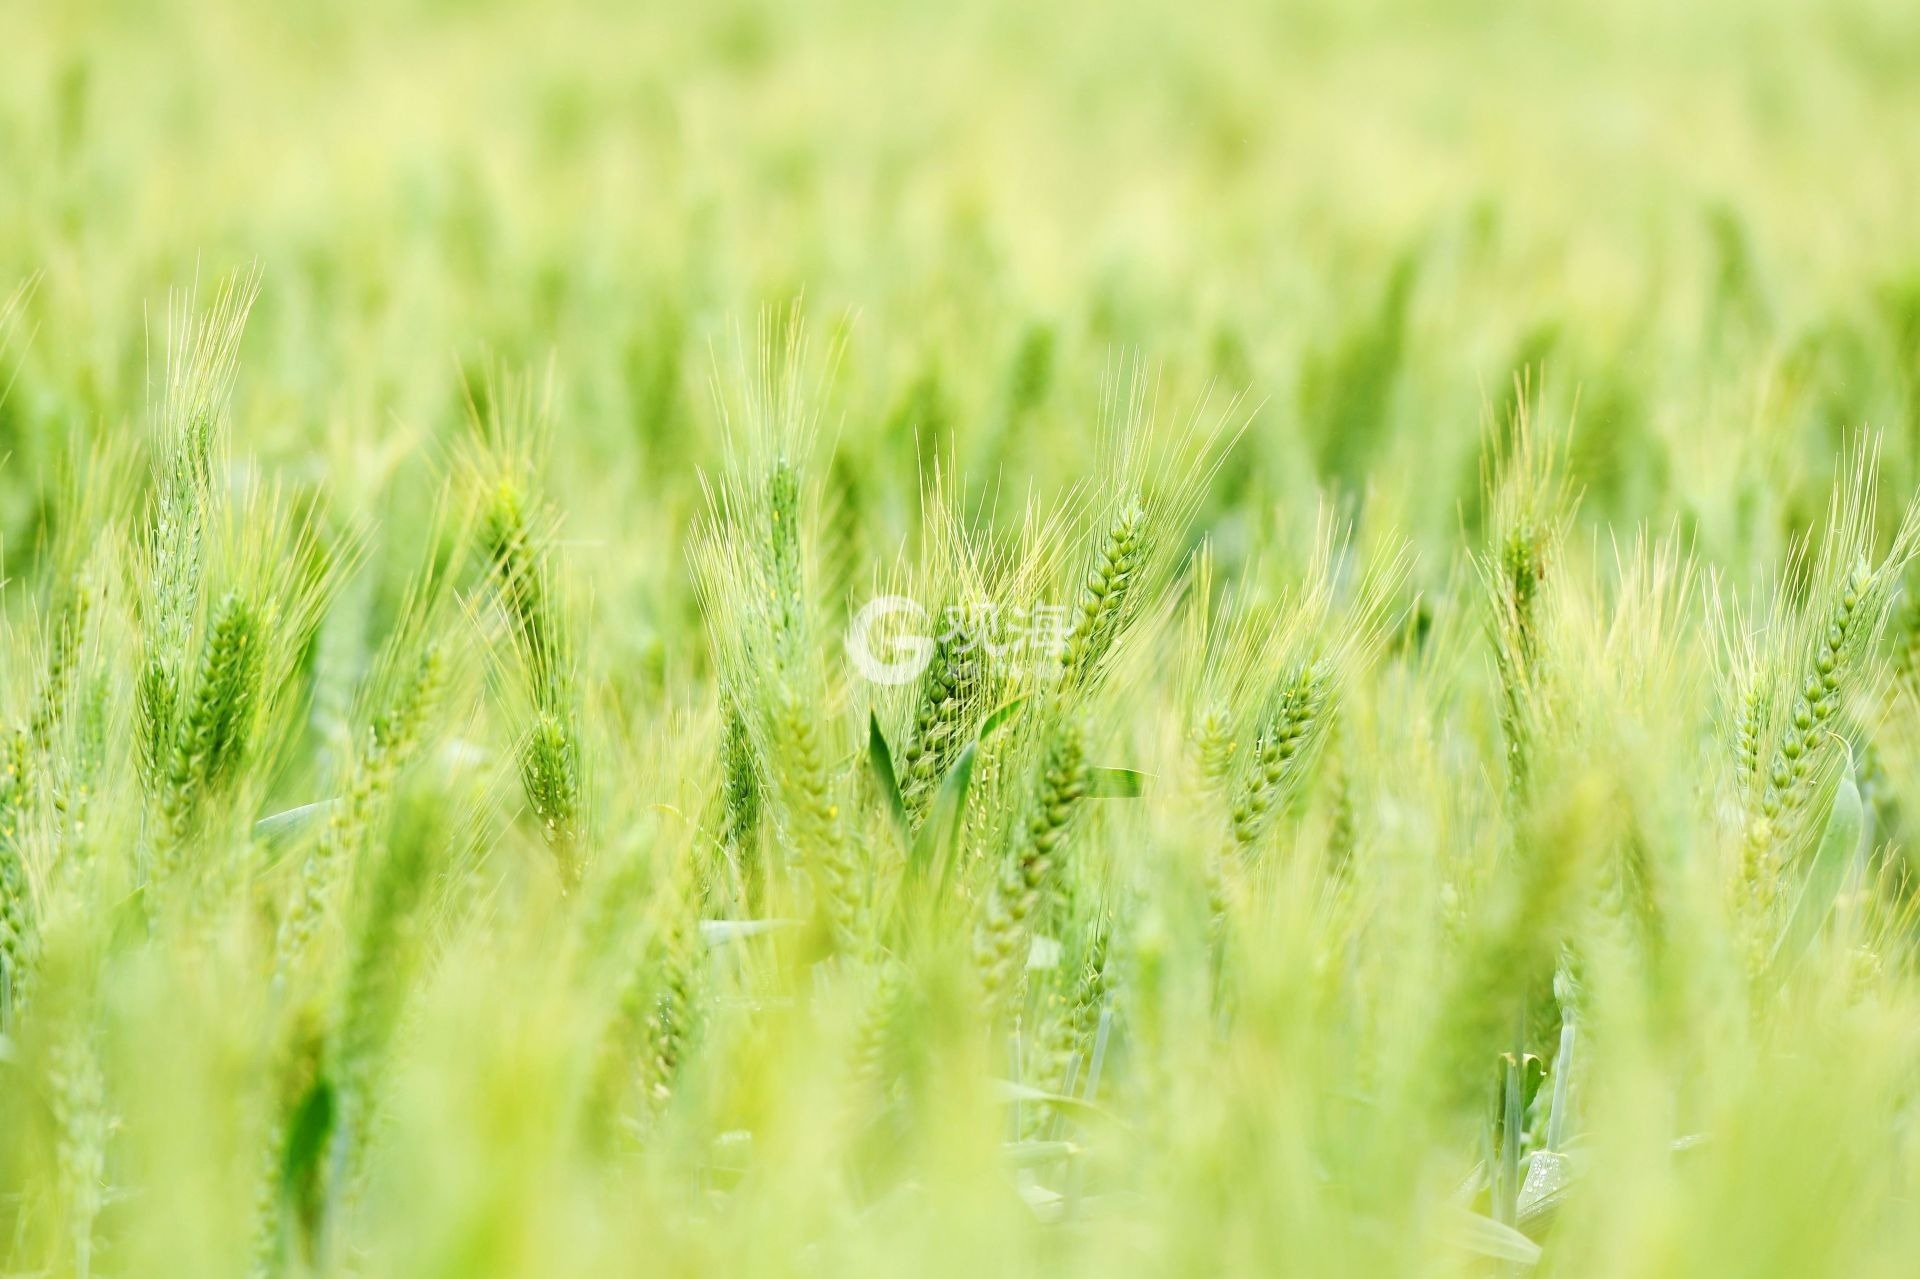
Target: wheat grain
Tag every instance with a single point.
(1027, 870)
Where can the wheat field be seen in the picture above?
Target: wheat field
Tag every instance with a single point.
(864, 638)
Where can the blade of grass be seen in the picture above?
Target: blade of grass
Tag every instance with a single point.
(933, 848)
(1485, 1237)
(880, 760)
(1839, 842)
(1115, 783)
(1000, 715)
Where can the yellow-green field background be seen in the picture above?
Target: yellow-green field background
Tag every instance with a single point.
(1693, 215)
(1687, 230)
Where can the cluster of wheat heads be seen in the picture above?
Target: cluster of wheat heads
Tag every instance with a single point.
(1271, 915)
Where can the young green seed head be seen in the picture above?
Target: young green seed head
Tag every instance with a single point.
(1285, 752)
(1108, 593)
(1028, 876)
(948, 708)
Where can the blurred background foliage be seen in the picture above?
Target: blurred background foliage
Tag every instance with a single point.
(1367, 218)
(1371, 230)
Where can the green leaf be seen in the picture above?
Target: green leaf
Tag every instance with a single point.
(1000, 715)
(1115, 783)
(1549, 1181)
(1485, 1237)
(293, 820)
(933, 849)
(1011, 1092)
(1047, 1204)
(307, 1133)
(1035, 1154)
(1825, 874)
(303, 1166)
(1529, 1079)
(939, 834)
(880, 759)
